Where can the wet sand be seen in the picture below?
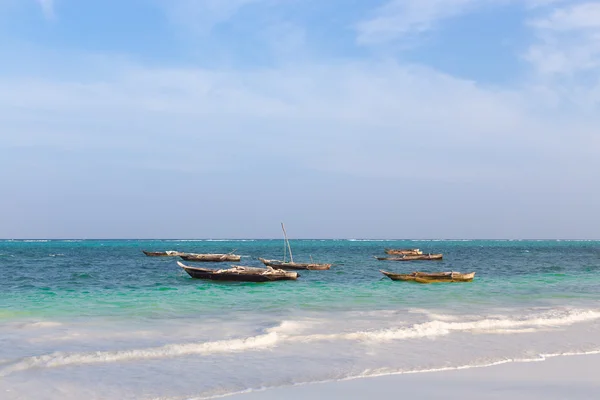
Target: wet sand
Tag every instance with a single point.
(564, 377)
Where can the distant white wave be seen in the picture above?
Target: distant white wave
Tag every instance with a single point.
(210, 240)
(372, 240)
(450, 240)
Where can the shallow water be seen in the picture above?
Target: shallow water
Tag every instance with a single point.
(100, 319)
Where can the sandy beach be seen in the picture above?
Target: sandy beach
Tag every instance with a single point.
(564, 377)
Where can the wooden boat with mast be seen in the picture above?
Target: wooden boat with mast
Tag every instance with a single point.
(291, 264)
(240, 274)
(431, 277)
(410, 252)
(407, 257)
(210, 257)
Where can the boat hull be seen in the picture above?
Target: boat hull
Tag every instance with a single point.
(211, 257)
(295, 266)
(239, 274)
(422, 257)
(425, 277)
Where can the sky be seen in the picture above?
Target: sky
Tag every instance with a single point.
(341, 118)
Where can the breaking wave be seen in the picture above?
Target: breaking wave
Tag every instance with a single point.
(440, 328)
(60, 359)
(284, 333)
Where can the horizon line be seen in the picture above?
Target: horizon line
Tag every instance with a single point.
(305, 238)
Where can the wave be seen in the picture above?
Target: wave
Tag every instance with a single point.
(541, 357)
(371, 240)
(210, 240)
(437, 328)
(60, 359)
(388, 372)
(285, 333)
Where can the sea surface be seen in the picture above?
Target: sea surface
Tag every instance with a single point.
(97, 319)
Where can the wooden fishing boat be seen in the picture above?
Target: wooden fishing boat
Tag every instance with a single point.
(168, 253)
(411, 252)
(412, 257)
(294, 265)
(427, 277)
(240, 274)
(291, 264)
(210, 257)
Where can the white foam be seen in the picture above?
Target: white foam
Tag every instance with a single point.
(387, 372)
(290, 327)
(60, 359)
(285, 333)
(42, 324)
(504, 331)
(539, 358)
(440, 328)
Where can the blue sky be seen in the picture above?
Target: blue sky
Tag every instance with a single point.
(373, 119)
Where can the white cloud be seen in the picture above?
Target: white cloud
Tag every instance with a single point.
(568, 40)
(575, 17)
(370, 119)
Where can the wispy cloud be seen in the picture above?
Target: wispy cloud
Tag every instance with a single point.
(47, 8)
(543, 3)
(568, 40)
(401, 18)
(352, 119)
(201, 16)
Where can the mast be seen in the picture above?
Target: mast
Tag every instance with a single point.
(288, 242)
(284, 250)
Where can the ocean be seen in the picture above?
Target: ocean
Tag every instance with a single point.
(98, 319)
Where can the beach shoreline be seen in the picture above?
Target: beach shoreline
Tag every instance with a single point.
(570, 376)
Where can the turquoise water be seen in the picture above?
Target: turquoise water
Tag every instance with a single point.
(115, 278)
(71, 311)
